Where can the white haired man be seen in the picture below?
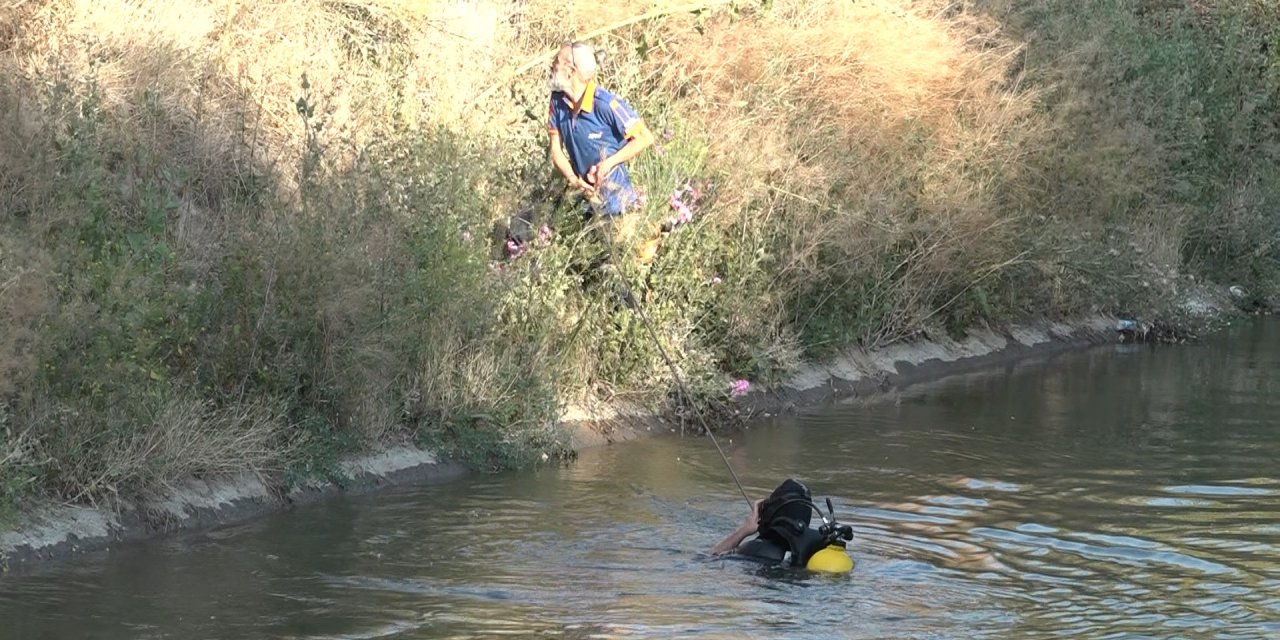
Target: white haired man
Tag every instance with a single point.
(593, 134)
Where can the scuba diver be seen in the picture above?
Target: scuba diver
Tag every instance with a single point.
(781, 525)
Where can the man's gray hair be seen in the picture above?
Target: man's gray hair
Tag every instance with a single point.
(584, 59)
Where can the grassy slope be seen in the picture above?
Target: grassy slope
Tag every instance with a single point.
(259, 236)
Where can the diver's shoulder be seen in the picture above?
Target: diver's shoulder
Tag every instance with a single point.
(762, 549)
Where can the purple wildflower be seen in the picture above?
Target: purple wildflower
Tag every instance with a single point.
(544, 235)
(683, 212)
(667, 135)
(739, 388)
(514, 250)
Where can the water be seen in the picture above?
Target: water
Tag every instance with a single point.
(1114, 493)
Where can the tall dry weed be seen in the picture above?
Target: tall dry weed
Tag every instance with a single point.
(850, 129)
(183, 438)
(281, 204)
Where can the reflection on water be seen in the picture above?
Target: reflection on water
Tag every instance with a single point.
(1100, 494)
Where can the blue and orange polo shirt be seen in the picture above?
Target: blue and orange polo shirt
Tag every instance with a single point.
(593, 131)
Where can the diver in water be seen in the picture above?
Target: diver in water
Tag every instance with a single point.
(781, 525)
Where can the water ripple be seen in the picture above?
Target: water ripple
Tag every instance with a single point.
(1086, 496)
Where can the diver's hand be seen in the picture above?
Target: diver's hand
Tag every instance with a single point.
(744, 531)
(753, 519)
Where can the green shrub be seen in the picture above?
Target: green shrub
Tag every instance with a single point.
(210, 265)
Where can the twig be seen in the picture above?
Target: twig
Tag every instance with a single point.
(828, 207)
(4, 286)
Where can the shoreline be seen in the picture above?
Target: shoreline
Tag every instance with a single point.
(860, 374)
(238, 272)
(59, 532)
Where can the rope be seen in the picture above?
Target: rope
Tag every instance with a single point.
(634, 305)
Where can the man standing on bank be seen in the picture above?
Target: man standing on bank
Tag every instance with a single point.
(593, 135)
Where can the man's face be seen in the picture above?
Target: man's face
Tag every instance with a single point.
(560, 78)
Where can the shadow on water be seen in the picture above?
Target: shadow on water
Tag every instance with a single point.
(1108, 493)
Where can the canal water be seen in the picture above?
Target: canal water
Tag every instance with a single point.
(1119, 492)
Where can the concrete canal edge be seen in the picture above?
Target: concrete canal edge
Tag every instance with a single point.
(863, 373)
(57, 531)
(60, 531)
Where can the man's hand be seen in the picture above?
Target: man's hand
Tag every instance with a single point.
(595, 173)
(598, 173)
(562, 164)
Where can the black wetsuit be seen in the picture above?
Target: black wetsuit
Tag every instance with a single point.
(767, 550)
(784, 526)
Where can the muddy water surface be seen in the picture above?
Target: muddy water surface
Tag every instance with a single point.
(1118, 492)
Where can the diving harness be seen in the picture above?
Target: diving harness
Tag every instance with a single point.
(789, 533)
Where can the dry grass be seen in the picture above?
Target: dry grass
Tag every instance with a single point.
(844, 128)
(881, 166)
(227, 74)
(852, 127)
(188, 439)
(828, 99)
(183, 438)
(23, 301)
(196, 104)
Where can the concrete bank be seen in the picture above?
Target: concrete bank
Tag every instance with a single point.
(863, 373)
(60, 531)
(57, 531)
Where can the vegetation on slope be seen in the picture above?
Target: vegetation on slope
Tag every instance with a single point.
(256, 236)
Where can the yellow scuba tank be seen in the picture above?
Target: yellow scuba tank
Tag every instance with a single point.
(830, 559)
(785, 523)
